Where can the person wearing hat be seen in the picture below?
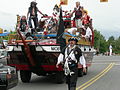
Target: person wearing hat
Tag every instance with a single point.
(86, 20)
(70, 59)
(33, 14)
(23, 24)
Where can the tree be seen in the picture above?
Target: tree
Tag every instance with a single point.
(99, 42)
(96, 39)
(103, 44)
(111, 40)
(116, 48)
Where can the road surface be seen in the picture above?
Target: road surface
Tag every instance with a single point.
(104, 74)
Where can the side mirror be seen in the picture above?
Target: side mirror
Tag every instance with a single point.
(8, 77)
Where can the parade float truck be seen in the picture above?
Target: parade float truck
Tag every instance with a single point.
(39, 53)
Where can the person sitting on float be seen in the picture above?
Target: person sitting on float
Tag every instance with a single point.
(88, 34)
(23, 26)
(71, 30)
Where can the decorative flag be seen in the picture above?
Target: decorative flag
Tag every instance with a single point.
(103, 0)
(63, 2)
(60, 40)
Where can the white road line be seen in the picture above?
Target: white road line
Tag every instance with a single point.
(100, 63)
(106, 60)
(106, 63)
(117, 64)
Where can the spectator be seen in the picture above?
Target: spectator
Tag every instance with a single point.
(110, 50)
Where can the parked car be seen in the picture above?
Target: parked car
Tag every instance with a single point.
(8, 77)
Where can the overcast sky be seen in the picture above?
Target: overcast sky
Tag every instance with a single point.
(106, 16)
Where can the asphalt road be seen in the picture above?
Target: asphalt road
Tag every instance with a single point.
(104, 74)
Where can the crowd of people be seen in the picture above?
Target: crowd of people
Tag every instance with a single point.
(32, 16)
(83, 22)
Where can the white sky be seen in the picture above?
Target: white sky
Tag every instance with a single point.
(106, 16)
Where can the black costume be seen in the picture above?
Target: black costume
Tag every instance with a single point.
(71, 79)
(23, 25)
(33, 15)
(78, 12)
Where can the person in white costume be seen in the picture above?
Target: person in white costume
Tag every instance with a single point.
(110, 49)
(70, 59)
(88, 34)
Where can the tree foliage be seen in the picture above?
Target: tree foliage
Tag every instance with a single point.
(6, 37)
(102, 46)
(116, 46)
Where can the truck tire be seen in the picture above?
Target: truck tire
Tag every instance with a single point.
(85, 73)
(59, 77)
(25, 76)
(80, 72)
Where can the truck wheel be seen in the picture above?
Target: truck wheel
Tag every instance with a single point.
(60, 77)
(25, 76)
(85, 73)
(80, 72)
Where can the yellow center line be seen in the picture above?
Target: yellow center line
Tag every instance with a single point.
(85, 85)
(93, 78)
(97, 78)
